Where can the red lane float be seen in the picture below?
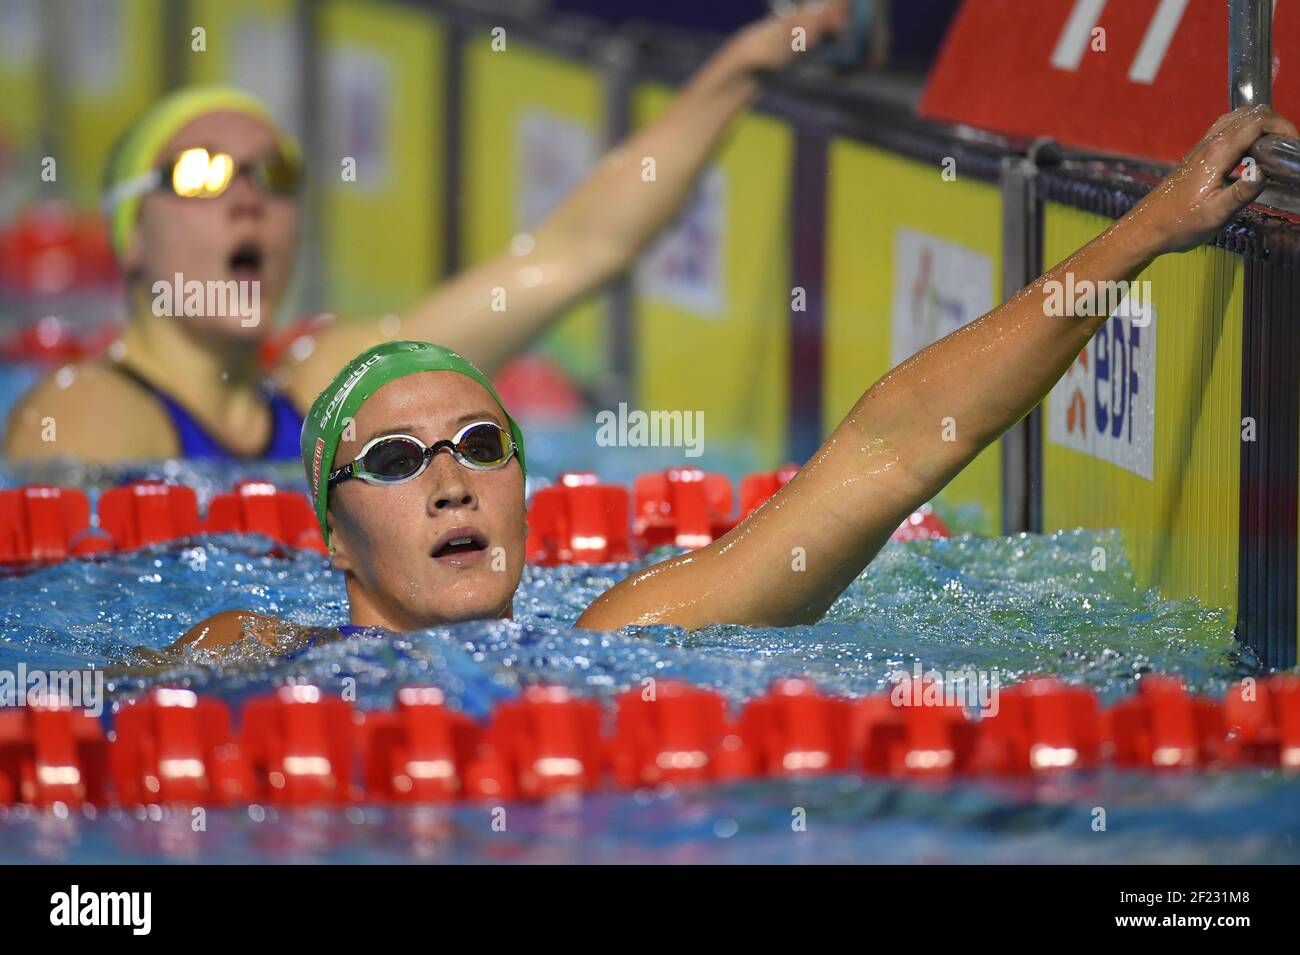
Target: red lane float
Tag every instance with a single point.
(420, 750)
(577, 520)
(547, 743)
(1162, 725)
(1263, 722)
(148, 512)
(682, 507)
(51, 249)
(258, 507)
(537, 383)
(295, 340)
(55, 261)
(756, 489)
(1043, 724)
(52, 754)
(51, 340)
(302, 747)
(175, 747)
(677, 734)
(797, 731)
(41, 524)
(922, 524)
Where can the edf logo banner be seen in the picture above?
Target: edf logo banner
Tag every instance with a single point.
(1105, 405)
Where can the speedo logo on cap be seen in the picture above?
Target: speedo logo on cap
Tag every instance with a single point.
(336, 403)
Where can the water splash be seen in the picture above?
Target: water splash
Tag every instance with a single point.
(1014, 605)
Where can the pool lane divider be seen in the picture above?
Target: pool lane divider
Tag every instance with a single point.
(41, 524)
(578, 520)
(304, 746)
(51, 340)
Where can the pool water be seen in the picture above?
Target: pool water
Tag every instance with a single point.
(1015, 606)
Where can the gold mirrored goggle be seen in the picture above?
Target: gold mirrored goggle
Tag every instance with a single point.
(199, 173)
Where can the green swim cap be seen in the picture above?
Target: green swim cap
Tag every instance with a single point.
(360, 378)
(136, 151)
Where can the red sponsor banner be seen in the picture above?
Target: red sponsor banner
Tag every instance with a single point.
(1135, 77)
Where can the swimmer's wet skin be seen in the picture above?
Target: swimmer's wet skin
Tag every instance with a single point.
(883, 461)
(191, 384)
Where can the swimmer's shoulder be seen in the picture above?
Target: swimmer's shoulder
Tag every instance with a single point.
(91, 411)
(233, 626)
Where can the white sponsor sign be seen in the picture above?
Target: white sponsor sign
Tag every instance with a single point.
(20, 32)
(264, 58)
(1105, 405)
(938, 287)
(555, 154)
(95, 45)
(359, 88)
(684, 267)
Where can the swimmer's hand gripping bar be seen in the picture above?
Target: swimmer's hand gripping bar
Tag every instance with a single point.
(1279, 158)
(1250, 82)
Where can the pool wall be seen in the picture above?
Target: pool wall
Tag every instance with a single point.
(1204, 491)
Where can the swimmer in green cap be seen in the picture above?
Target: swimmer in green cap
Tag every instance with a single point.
(205, 185)
(426, 538)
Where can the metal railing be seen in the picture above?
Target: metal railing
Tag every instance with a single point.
(1250, 82)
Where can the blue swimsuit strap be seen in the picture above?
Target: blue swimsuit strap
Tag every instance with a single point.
(347, 629)
(197, 442)
(352, 629)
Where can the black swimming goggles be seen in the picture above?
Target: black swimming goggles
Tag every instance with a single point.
(397, 458)
(199, 173)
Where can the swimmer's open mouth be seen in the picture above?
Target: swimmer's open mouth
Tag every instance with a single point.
(459, 542)
(246, 260)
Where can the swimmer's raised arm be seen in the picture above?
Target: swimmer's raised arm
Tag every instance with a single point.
(599, 230)
(887, 457)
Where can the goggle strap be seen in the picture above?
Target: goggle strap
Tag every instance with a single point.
(339, 475)
(132, 188)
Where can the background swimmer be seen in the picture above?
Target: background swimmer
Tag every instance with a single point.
(417, 552)
(190, 385)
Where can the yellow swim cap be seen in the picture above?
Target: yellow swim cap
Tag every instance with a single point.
(136, 151)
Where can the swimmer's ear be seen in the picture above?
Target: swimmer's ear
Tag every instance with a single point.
(339, 552)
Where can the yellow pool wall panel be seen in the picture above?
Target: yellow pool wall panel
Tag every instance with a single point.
(533, 127)
(114, 73)
(1180, 527)
(712, 297)
(385, 67)
(887, 216)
